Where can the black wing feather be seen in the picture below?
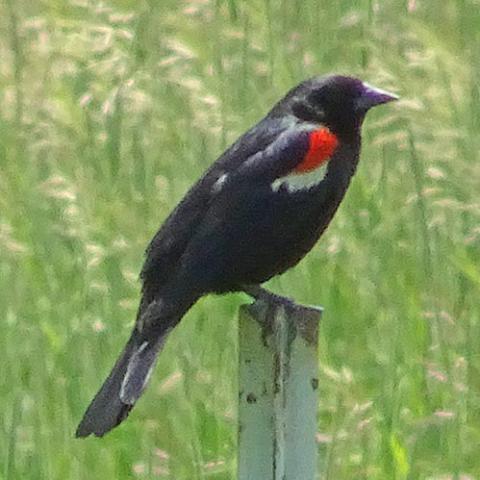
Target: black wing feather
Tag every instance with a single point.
(269, 150)
(170, 242)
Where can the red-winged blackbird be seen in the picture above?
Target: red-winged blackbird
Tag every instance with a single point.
(255, 213)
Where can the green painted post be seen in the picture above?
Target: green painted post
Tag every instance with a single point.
(278, 392)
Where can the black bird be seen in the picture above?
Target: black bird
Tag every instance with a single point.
(255, 213)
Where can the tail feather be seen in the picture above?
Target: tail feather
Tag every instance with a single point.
(131, 373)
(122, 388)
(139, 370)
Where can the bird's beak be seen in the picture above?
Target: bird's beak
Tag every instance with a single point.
(372, 96)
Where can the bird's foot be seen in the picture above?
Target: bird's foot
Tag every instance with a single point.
(260, 293)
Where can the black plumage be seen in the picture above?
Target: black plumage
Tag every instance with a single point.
(240, 225)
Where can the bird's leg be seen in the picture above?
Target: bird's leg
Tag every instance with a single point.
(260, 293)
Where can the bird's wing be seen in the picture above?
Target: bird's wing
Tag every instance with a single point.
(171, 240)
(261, 155)
(168, 244)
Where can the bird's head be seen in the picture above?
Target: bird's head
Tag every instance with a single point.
(339, 102)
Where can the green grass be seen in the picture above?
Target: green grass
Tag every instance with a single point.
(108, 114)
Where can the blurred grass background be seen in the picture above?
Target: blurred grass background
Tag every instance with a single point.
(110, 110)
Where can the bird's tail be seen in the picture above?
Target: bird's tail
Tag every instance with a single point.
(130, 375)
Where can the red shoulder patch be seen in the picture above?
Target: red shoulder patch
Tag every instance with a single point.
(322, 144)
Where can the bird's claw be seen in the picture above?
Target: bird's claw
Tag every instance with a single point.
(262, 294)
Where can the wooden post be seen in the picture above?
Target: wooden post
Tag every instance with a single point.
(278, 391)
